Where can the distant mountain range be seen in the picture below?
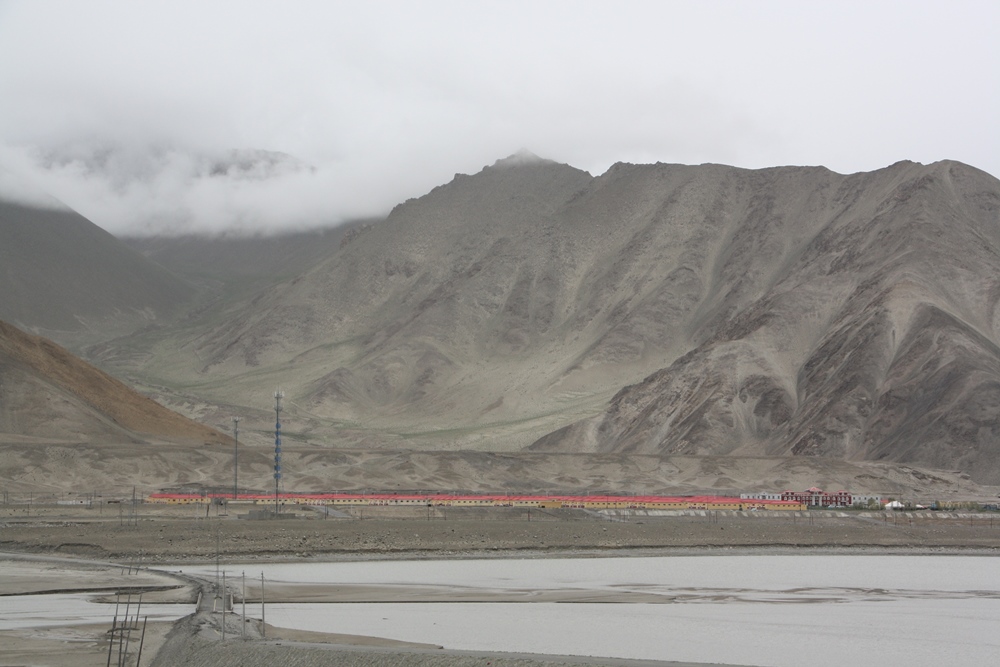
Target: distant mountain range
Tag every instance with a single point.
(655, 310)
(65, 277)
(242, 263)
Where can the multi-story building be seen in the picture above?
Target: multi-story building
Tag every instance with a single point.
(815, 497)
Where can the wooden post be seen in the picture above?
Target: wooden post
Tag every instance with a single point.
(111, 638)
(142, 639)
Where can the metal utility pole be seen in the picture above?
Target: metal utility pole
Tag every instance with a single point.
(278, 395)
(236, 456)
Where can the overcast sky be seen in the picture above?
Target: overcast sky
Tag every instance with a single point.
(121, 109)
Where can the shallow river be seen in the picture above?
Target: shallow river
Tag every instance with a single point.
(39, 611)
(747, 609)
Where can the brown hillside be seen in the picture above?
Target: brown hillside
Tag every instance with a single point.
(24, 355)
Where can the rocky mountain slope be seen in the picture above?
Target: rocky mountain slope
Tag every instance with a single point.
(872, 338)
(793, 311)
(64, 277)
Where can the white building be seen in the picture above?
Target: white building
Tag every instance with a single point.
(760, 496)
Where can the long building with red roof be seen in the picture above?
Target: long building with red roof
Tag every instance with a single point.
(649, 502)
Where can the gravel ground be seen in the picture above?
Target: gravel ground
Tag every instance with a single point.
(167, 535)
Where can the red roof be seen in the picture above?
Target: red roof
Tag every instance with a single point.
(504, 498)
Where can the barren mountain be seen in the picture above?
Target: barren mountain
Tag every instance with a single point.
(793, 311)
(64, 277)
(873, 337)
(48, 395)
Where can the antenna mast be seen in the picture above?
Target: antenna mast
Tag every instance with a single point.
(236, 456)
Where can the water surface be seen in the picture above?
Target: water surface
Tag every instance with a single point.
(747, 609)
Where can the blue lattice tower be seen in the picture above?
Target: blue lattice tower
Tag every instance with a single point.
(278, 395)
(236, 457)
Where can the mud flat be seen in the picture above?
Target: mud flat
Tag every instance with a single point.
(198, 640)
(39, 642)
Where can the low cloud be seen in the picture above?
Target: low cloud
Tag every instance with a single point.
(121, 109)
(154, 190)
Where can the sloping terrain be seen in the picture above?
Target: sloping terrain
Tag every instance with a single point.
(793, 311)
(64, 277)
(48, 395)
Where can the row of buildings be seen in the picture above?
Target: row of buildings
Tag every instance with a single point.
(603, 502)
